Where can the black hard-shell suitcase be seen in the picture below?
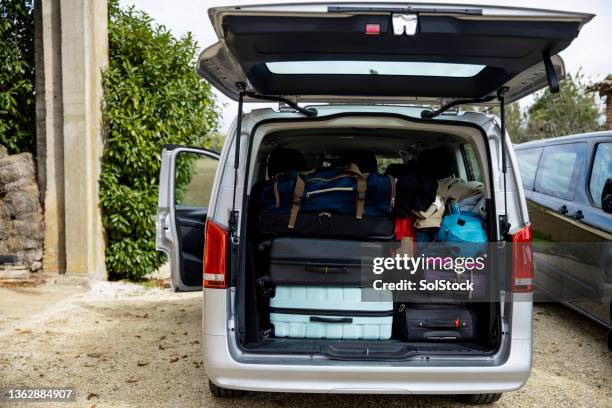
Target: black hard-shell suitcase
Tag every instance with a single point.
(427, 322)
(309, 261)
(326, 224)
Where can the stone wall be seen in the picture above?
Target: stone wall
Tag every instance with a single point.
(21, 220)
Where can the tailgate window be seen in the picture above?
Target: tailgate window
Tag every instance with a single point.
(375, 68)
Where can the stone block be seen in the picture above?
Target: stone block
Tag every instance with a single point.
(4, 249)
(17, 168)
(20, 184)
(22, 202)
(32, 230)
(19, 244)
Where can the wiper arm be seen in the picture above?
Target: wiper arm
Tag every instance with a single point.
(310, 112)
(427, 114)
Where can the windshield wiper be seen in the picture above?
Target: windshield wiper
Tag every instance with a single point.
(428, 114)
(310, 112)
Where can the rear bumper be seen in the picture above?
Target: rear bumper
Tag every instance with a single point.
(339, 377)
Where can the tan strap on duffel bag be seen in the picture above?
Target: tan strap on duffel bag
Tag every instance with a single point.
(350, 170)
(298, 193)
(362, 186)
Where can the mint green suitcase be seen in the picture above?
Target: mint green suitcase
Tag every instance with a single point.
(317, 312)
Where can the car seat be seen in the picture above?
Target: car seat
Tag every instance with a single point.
(284, 160)
(438, 163)
(366, 161)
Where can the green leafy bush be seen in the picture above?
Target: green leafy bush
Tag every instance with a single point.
(17, 124)
(572, 110)
(152, 97)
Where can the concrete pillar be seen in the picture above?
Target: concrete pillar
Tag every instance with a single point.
(75, 51)
(49, 131)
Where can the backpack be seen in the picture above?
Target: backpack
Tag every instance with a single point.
(465, 230)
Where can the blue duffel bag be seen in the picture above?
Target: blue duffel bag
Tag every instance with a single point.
(334, 190)
(465, 232)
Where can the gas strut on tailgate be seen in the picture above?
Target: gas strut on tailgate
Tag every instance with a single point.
(310, 112)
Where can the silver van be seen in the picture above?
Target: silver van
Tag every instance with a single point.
(359, 77)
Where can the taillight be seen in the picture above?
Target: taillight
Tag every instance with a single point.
(522, 261)
(215, 256)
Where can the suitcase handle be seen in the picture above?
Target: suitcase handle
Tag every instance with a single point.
(319, 319)
(442, 324)
(443, 335)
(328, 270)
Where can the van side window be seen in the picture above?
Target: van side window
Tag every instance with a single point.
(471, 163)
(602, 170)
(559, 169)
(528, 165)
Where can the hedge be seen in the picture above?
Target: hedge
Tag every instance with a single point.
(17, 120)
(152, 97)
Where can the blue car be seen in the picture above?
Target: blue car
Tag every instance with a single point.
(567, 182)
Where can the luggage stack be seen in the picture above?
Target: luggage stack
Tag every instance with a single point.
(314, 290)
(313, 280)
(319, 224)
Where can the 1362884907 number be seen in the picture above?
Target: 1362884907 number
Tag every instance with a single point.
(46, 394)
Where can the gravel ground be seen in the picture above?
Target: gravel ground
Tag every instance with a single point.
(123, 345)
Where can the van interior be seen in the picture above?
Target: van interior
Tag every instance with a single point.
(375, 150)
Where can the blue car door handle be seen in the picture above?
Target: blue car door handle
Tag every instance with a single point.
(578, 215)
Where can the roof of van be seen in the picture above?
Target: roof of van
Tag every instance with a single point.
(568, 138)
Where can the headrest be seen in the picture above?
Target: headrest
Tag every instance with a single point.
(398, 169)
(437, 163)
(285, 160)
(366, 161)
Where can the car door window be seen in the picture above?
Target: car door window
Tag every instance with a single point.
(528, 164)
(602, 170)
(185, 184)
(194, 174)
(559, 168)
(471, 163)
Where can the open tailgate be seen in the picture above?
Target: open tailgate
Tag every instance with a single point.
(385, 52)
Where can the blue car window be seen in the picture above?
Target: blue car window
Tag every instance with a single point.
(528, 164)
(559, 168)
(602, 170)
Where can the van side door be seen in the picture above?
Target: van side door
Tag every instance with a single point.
(558, 174)
(185, 184)
(590, 231)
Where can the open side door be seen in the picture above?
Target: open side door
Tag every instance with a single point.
(185, 185)
(385, 52)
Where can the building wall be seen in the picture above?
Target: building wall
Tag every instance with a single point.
(609, 111)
